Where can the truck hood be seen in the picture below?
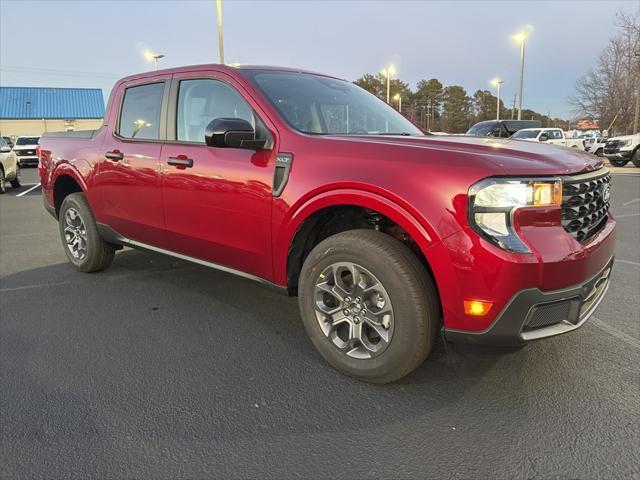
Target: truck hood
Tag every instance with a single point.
(635, 136)
(501, 155)
(25, 147)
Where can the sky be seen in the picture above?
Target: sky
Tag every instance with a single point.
(93, 43)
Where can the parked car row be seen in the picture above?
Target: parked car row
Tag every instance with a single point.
(530, 130)
(618, 150)
(554, 136)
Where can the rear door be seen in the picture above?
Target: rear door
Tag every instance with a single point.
(127, 187)
(218, 208)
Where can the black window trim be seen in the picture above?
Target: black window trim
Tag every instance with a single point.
(171, 134)
(162, 128)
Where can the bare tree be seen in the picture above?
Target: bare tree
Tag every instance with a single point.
(608, 92)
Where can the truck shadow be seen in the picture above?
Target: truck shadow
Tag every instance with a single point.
(203, 355)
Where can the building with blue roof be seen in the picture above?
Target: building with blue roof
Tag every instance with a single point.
(34, 110)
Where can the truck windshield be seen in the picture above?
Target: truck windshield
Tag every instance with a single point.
(27, 141)
(481, 129)
(526, 134)
(324, 106)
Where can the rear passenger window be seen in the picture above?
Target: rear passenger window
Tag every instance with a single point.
(140, 115)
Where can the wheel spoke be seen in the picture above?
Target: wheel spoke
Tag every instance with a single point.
(353, 310)
(382, 332)
(332, 290)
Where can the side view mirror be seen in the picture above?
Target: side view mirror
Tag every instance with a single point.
(543, 138)
(232, 133)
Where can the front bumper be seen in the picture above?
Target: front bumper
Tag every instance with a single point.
(624, 154)
(27, 160)
(532, 314)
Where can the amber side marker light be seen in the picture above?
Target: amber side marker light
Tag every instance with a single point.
(546, 193)
(476, 307)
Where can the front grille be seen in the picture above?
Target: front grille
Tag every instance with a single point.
(585, 203)
(612, 146)
(548, 314)
(24, 153)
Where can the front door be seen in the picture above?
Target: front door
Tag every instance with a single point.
(217, 201)
(127, 187)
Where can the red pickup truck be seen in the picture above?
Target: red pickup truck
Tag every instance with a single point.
(308, 183)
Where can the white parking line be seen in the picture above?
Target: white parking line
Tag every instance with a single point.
(117, 276)
(27, 191)
(628, 261)
(628, 215)
(631, 202)
(628, 339)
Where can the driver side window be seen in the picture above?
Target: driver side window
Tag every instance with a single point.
(203, 100)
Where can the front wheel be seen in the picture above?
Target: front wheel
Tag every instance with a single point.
(599, 153)
(84, 247)
(618, 162)
(16, 182)
(3, 181)
(636, 158)
(368, 305)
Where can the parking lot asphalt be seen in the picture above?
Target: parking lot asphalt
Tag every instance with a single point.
(158, 368)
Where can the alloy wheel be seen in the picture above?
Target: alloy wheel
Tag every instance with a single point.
(354, 310)
(75, 234)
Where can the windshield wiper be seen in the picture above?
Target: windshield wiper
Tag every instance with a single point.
(404, 134)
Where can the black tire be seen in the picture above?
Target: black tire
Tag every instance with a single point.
(635, 158)
(99, 254)
(416, 308)
(618, 162)
(600, 152)
(3, 181)
(16, 182)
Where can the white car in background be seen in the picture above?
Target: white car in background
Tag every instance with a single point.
(554, 136)
(25, 149)
(9, 168)
(597, 146)
(619, 150)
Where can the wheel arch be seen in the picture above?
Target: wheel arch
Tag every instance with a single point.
(295, 242)
(66, 180)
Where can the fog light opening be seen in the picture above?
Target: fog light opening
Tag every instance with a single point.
(477, 308)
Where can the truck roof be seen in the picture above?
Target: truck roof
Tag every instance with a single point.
(228, 68)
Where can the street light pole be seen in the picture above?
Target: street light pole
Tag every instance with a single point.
(387, 72)
(496, 83)
(636, 117)
(521, 39)
(220, 36)
(398, 97)
(156, 58)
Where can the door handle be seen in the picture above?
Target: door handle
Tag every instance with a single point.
(115, 155)
(181, 161)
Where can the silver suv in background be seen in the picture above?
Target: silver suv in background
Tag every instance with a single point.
(25, 149)
(619, 150)
(9, 168)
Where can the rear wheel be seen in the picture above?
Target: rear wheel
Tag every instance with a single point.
(368, 305)
(16, 182)
(84, 247)
(3, 181)
(618, 162)
(636, 158)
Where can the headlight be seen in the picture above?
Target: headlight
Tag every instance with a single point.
(493, 201)
(627, 143)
